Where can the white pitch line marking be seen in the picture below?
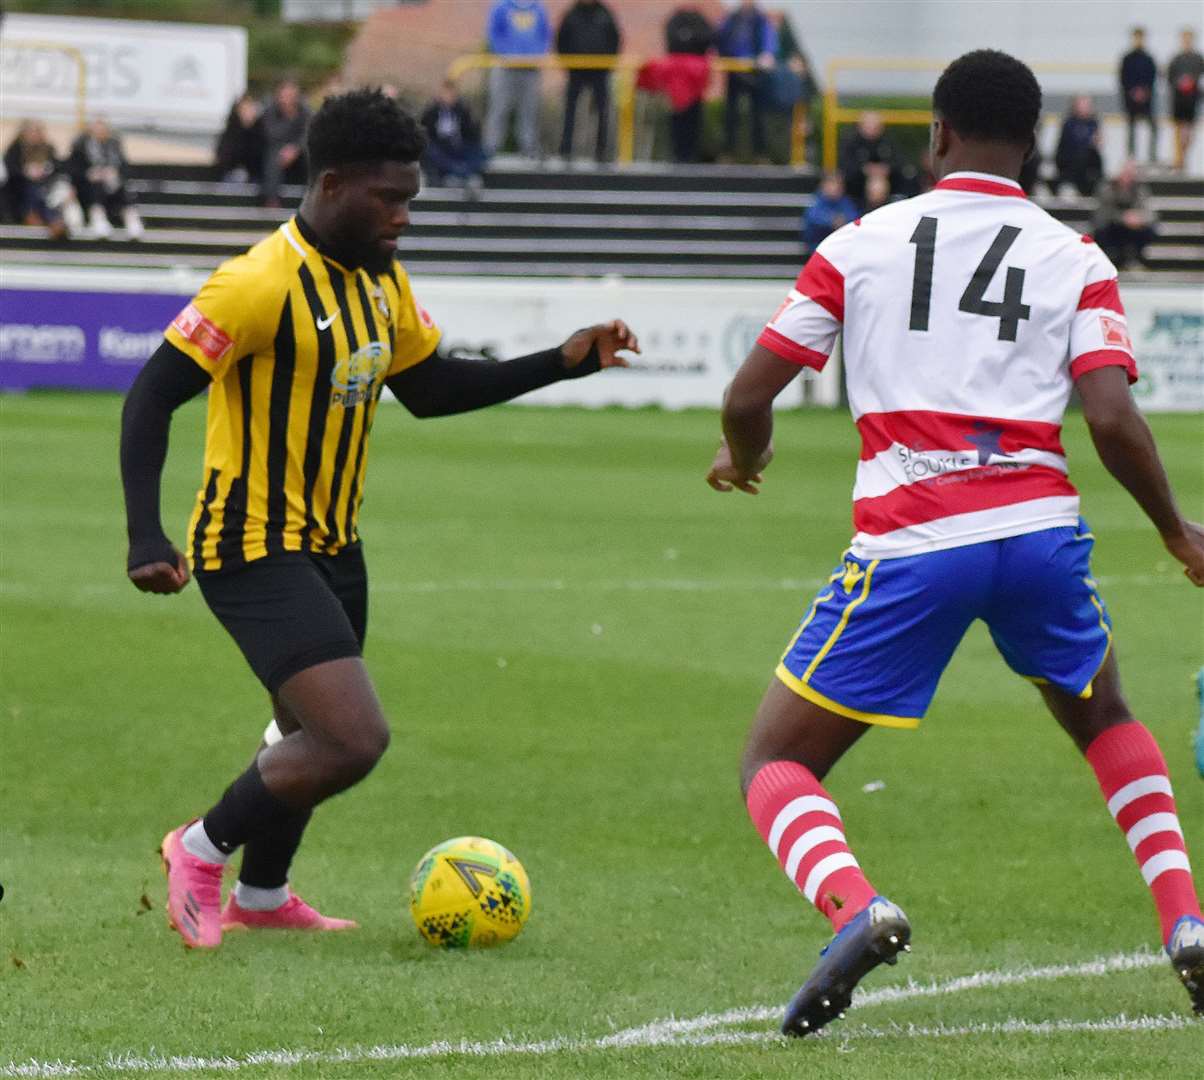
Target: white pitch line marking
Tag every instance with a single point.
(129, 1063)
(669, 1032)
(910, 990)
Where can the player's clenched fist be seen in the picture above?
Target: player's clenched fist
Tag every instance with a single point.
(161, 577)
(610, 338)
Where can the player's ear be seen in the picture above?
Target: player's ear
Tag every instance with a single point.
(939, 142)
(329, 182)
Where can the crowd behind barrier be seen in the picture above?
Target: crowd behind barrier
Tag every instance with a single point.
(84, 192)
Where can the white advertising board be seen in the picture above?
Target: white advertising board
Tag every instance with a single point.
(167, 76)
(1166, 323)
(693, 336)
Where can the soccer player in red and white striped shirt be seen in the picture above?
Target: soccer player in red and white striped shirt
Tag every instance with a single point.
(969, 314)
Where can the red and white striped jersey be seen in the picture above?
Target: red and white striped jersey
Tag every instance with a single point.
(968, 312)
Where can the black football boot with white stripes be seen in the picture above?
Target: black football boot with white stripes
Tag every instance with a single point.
(876, 936)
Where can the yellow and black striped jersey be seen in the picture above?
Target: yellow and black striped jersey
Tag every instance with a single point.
(298, 348)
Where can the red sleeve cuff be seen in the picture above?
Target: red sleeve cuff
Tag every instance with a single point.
(782, 346)
(1080, 365)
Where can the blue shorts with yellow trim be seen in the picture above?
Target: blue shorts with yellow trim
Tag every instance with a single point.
(879, 635)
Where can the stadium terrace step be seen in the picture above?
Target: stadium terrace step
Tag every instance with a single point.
(515, 174)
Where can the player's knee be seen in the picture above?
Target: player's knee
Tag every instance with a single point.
(360, 745)
(361, 753)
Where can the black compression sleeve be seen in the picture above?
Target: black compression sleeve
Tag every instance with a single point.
(442, 385)
(169, 379)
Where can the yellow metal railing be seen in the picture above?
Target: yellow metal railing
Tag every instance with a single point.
(836, 114)
(81, 68)
(625, 68)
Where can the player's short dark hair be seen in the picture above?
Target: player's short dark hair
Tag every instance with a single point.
(989, 95)
(361, 127)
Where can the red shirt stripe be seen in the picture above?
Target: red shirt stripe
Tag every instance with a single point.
(1089, 361)
(923, 430)
(958, 493)
(782, 346)
(1102, 294)
(981, 187)
(824, 284)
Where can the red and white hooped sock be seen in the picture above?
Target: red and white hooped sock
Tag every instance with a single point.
(799, 821)
(1132, 775)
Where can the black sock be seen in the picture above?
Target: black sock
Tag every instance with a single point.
(269, 852)
(245, 809)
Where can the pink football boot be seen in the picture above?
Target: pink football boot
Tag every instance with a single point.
(293, 914)
(194, 893)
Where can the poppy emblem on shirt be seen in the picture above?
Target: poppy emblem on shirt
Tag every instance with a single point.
(204, 333)
(1115, 333)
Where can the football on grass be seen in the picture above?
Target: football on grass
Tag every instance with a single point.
(469, 892)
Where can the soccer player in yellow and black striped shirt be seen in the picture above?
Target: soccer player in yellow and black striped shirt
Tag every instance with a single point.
(295, 341)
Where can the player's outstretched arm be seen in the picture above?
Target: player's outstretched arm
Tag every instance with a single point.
(747, 445)
(1126, 447)
(168, 380)
(443, 386)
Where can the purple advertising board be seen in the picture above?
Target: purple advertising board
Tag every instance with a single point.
(80, 340)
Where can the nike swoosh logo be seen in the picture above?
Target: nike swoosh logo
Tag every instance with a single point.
(325, 320)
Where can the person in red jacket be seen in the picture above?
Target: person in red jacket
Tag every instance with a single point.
(683, 78)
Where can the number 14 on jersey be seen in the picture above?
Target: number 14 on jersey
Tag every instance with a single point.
(1009, 311)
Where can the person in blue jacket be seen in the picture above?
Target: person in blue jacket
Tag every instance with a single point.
(831, 209)
(517, 28)
(746, 34)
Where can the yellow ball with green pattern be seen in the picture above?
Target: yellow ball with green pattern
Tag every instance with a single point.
(469, 891)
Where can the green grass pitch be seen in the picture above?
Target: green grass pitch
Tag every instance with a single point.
(570, 632)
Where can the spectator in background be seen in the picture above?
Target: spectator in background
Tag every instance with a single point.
(242, 145)
(1183, 74)
(790, 82)
(868, 151)
(683, 79)
(453, 147)
(746, 34)
(1138, 73)
(284, 122)
(682, 76)
(687, 33)
(588, 29)
(98, 171)
(877, 191)
(1077, 157)
(831, 209)
(517, 28)
(1124, 223)
(38, 192)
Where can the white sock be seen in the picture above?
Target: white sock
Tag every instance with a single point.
(253, 898)
(196, 842)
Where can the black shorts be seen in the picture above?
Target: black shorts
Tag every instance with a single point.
(288, 612)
